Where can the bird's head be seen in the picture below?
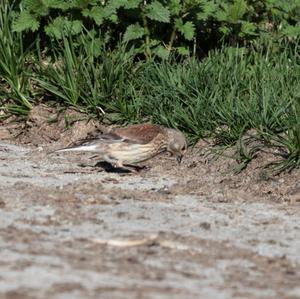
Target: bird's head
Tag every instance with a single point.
(177, 144)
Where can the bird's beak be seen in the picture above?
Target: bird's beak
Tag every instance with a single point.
(179, 158)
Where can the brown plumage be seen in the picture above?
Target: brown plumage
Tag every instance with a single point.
(134, 144)
(141, 133)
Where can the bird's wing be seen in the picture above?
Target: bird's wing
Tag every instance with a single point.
(134, 134)
(102, 138)
(140, 133)
(95, 143)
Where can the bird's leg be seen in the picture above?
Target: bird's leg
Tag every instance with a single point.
(130, 168)
(136, 168)
(92, 157)
(169, 154)
(118, 164)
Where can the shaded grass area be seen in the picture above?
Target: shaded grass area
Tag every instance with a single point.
(14, 74)
(227, 95)
(224, 96)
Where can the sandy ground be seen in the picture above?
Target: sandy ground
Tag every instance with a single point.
(69, 229)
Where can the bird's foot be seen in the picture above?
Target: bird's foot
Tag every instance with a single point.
(136, 168)
(108, 167)
(118, 164)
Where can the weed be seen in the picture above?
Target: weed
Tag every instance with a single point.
(14, 68)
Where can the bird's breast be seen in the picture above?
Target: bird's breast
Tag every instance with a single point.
(134, 153)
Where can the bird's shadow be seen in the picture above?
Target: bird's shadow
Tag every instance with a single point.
(109, 168)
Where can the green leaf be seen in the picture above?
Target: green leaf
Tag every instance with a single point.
(116, 4)
(131, 4)
(184, 51)
(132, 32)
(154, 42)
(38, 7)
(208, 9)
(26, 21)
(157, 12)
(161, 52)
(237, 11)
(110, 10)
(84, 3)
(175, 7)
(113, 18)
(248, 28)
(187, 29)
(291, 31)
(61, 27)
(96, 13)
(225, 30)
(93, 45)
(222, 13)
(63, 5)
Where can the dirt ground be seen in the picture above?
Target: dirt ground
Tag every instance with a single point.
(70, 229)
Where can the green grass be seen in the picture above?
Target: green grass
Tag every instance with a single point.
(231, 91)
(83, 76)
(15, 71)
(226, 95)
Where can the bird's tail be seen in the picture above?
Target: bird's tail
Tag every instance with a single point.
(81, 148)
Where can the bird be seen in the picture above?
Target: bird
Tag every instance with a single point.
(128, 146)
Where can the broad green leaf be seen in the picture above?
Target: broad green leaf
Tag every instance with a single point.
(207, 10)
(84, 3)
(222, 13)
(132, 32)
(157, 12)
(113, 18)
(114, 5)
(61, 27)
(25, 21)
(291, 31)
(110, 10)
(225, 30)
(154, 42)
(270, 3)
(63, 5)
(187, 29)
(161, 52)
(94, 45)
(96, 13)
(237, 11)
(175, 7)
(130, 4)
(248, 28)
(36, 6)
(184, 51)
